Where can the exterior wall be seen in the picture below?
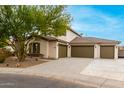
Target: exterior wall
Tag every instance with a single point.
(69, 36)
(116, 52)
(96, 51)
(69, 51)
(53, 50)
(43, 47)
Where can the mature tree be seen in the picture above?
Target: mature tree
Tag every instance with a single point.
(18, 23)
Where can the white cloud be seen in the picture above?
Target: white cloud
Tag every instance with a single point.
(88, 19)
(92, 22)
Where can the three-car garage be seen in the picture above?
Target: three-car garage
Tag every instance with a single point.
(89, 47)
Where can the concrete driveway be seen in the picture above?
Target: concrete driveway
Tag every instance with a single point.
(90, 72)
(106, 68)
(63, 66)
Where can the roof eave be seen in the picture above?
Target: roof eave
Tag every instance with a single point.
(75, 32)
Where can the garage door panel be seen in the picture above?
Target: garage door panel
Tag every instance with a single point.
(107, 52)
(82, 51)
(62, 51)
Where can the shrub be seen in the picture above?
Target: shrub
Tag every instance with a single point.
(3, 55)
(7, 52)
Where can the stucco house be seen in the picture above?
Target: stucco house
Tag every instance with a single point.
(73, 44)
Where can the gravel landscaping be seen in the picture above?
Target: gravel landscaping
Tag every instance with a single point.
(12, 62)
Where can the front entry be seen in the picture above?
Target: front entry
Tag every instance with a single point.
(34, 49)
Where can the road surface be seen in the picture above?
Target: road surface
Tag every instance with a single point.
(25, 81)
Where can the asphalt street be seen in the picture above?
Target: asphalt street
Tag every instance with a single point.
(25, 81)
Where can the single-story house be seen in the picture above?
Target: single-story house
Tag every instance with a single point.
(73, 44)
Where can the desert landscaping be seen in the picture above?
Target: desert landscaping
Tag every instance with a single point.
(12, 62)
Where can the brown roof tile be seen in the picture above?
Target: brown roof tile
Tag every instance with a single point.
(92, 40)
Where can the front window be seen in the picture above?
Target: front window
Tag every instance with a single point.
(34, 48)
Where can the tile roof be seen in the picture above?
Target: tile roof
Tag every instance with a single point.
(49, 38)
(92, 40)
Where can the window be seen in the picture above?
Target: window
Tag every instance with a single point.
(34, 48)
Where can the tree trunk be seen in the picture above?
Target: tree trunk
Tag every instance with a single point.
(21, 51)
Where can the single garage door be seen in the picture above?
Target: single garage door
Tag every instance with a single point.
(107, 52)
(62, 51)
(82, 51)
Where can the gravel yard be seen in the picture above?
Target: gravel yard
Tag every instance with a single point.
(12, 62)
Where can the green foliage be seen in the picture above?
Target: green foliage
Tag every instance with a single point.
(18, 23)
(52, 20)
(2, 55)
(1, 45)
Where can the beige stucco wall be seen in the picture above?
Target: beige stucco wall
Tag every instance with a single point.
(53, 50)
(69, 51)
(43, 46)
(96, 51)
(69, 36)
(116, 52)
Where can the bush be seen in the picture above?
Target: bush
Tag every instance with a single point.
(3, 55)
(7, 52)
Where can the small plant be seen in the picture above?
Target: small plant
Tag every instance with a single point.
(18, 65)
(36, 59)
(7, 65)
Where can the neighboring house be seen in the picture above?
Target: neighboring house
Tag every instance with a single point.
(74, 45)
(121, 51)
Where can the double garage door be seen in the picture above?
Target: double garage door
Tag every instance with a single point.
(82, 51)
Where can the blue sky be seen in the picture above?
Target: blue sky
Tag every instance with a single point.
(99, 21)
